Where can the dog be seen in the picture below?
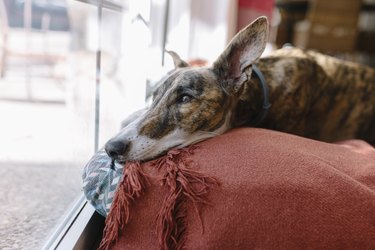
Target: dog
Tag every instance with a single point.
(295, 91)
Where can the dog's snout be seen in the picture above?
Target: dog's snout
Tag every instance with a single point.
(116, 148)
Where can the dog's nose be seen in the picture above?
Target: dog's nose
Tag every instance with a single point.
(116, 148)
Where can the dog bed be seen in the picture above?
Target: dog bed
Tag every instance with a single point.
(249, 188)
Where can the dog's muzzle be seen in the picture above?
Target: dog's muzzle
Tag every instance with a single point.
(116, 149)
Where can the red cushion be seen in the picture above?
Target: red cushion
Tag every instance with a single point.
(277, 191)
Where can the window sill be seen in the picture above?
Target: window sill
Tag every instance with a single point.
(81, 228)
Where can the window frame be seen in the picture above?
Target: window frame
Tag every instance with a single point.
(81, 228)
(107, 4)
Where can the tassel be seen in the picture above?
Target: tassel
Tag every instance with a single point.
(184, 185)
(131, 187)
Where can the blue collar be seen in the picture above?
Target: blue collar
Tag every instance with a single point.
(266, 104)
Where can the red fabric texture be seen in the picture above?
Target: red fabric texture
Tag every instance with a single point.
(277, 191)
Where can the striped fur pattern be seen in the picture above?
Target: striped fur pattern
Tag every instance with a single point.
(312, 95)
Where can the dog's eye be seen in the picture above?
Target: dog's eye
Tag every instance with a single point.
(184, 98)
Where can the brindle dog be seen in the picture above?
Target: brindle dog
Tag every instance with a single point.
(312, 95)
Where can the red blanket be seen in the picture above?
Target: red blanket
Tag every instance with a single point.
(249, 189)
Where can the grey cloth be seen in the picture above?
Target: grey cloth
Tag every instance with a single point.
(100, 181)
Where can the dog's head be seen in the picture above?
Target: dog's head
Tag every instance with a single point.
(191, 104)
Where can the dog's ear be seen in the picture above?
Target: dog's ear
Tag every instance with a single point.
(246, 47)
(178, 62)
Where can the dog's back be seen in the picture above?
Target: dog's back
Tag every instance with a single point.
(319, 96)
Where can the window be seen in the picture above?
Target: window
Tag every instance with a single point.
(48, 109)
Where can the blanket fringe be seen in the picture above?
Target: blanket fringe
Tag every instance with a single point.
(131, 187)
(184, 184)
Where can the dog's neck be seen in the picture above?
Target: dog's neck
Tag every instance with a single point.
(265, 91)
(252, 107)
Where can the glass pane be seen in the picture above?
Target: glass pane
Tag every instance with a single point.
(126, 61)
(47, 98)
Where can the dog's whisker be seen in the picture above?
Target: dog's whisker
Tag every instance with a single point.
(145, 153)
(211, 133)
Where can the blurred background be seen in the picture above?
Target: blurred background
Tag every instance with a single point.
(71, 70)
